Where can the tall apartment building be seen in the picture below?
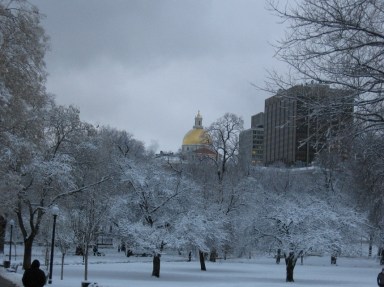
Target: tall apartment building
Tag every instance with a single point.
(293, 130)
(251, 142)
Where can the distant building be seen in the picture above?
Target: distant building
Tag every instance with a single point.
(293, 130)
(197, 142)
(168, 157)
(251, 143)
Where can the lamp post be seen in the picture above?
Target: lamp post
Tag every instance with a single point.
(11, 223)
(55, 211)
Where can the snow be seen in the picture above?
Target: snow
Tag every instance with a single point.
(116, 270)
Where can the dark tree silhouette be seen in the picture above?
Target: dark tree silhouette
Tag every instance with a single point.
(156, 265)
(202, 261)
(290, 262)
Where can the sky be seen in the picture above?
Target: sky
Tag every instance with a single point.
(148, 66)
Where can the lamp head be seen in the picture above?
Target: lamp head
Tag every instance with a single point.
(55, 210)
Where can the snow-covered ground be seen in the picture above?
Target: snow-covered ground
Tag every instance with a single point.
(116, 270)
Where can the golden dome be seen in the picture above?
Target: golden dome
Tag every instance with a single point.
(196, 137)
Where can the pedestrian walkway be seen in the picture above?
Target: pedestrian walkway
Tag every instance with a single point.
(6, 283)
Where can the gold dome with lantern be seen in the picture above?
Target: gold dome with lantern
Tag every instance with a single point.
(197, 135)
(197, 141)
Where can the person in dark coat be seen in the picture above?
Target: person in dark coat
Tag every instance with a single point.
(380, 278)
(34, 276)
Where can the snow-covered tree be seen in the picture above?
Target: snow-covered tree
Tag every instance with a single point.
(200, 226)
(89, 212)
(152, 206)
(365, 169)
(22, 93)
(339, 43)
(48, 174)
(218, 177)
(299, 221)
(101, 155)
(65, 239)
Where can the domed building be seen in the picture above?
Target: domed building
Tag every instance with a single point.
(196, 142)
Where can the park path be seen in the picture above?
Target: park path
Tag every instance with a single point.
(6, 283)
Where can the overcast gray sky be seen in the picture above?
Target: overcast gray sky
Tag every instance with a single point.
(148, 66)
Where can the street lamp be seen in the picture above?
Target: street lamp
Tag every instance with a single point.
(55, 212)
(11, 223)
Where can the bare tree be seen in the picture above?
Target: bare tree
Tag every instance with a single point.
(366, 171)
(337, 43)
(89, 214)
(224, 138)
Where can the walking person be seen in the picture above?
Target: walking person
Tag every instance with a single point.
(380, 278)
(34, 276)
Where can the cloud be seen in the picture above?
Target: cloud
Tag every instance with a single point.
(149, 66)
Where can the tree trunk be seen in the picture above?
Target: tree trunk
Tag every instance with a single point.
(213, 256)
(333, 259)
(202, 261)
(34, 224)
(290, 262)
(27, 252)
(290, 268)
(156, 265)
(62, 266)
(278, 256)
(370, 246)
(46, 255)
(3, 225)
(85, 259)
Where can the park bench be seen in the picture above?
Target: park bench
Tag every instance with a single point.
(13, 268)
